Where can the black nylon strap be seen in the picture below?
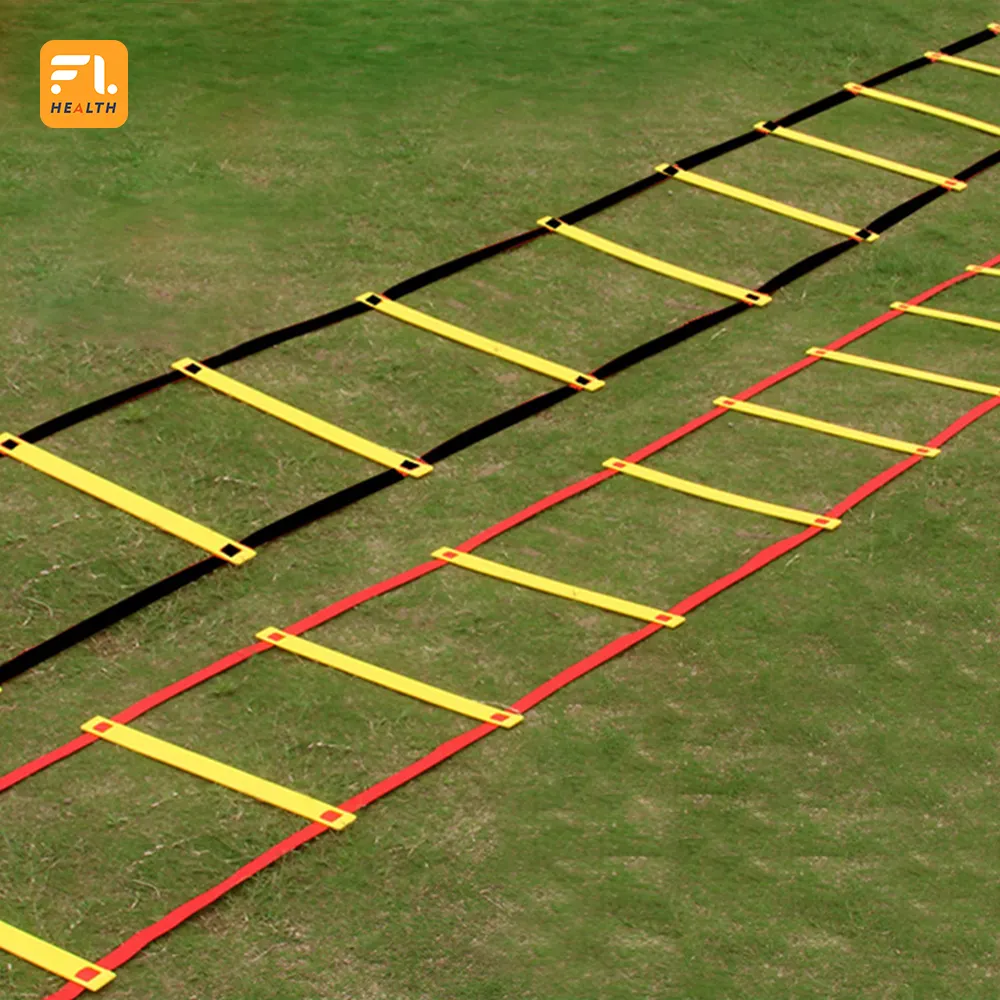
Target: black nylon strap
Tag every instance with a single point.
(979, 166)
(896, 215)
(629, 191)
(969, 42)
(713, 152)
(480, 432)
(98, 406)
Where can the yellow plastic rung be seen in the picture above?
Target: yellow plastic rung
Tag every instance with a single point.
(768, 204)
(299, 418)
(848, 152)
(979, 67)
(145, 510)
(722, 496)
(985, 324)
(747, 295)
(927, 109)
(220, 774)
(389, 679)
(837, 430)
(544, 584)
(64, 964)
(577, 379)
(993, 272)
(917, 373)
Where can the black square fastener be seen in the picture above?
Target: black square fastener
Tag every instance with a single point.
(672, 170)
(582, 379)
(554, 223)
(229, 550)
(373, 300)
(193, 369)
(10, 444)
(408, 463)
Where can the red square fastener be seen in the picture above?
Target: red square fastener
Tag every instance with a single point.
(88, 973)
(102, 727)
(449, 555)
(276, 637)
(331, 816)
(663, 618)
(498, 717)
(822, 520)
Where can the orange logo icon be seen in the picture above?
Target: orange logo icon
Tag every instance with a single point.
(84, 83)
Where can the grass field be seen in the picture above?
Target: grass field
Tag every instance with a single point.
(792, 796)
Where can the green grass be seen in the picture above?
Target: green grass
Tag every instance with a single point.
(790, 796)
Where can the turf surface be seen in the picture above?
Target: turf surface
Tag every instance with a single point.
(790, 796)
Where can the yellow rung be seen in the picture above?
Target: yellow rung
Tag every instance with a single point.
(579, 380)
(220, 774)
(985, 324)
(722, 496)
(747, 295)
(64, 964)
(804, 139)
(979, 67)
(145, 510)
(837, 430)
(768, 204)
(927, 109)
(917, 373)
(387, 678)
(299, 418)
(993, 272)
(544, 584)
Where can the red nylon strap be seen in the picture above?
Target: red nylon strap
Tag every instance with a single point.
(534, 509)
(142, 939)
(137, 942)
(25, 771)
(126, 951)
(959, 425)
(353, 600)
(130, 948)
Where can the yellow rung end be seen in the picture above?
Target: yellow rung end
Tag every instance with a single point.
(985, 324)
(200, 372)
(979, 67)
(389, 679)
(768, 204)
(993, 272)
(823, 427)
(218, 773)
(722, 496)
(927, 109)
(511, 575)
(414, 317)
(131, 503)
(630, 256)
(994, 27)
(64, 964)
(850, 153)
(915, 373)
